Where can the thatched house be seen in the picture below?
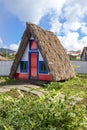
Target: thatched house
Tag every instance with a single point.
(84, 54)
(41, 56)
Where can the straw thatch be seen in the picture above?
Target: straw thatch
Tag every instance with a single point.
(52, 51)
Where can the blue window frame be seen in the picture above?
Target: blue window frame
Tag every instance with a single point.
(23, 66)
(42, 67)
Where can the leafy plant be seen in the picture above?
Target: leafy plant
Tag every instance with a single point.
(54, 85)
(6, 81)
(76, 86)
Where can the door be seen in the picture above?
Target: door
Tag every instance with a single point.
(33, 65)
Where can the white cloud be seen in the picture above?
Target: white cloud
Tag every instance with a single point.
(75, 9)
(55, 25)
(83, 41)
(71, 11)
(74, 12)
(73, 26)
(84, 28)
(32, 10)
(1, 42)
(14, 47)
(2, 45)
(71, 41)
(11, 46)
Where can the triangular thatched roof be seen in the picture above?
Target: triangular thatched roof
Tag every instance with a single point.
(52, 52)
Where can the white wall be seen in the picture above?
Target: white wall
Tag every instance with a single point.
(5, 67)
(80, 66)
(25, 55)
(24, 58)
(40, 57)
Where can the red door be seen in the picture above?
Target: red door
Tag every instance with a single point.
(33, 65)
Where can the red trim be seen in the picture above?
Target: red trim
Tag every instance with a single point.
(21, 76)
(45, 77)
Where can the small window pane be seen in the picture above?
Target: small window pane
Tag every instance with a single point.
(42, 67)
(24, 66)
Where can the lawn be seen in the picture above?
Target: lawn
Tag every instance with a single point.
(74, 87)
(64, 107)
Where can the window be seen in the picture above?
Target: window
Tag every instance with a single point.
(33, 45)
(42, 67)
(23, 66)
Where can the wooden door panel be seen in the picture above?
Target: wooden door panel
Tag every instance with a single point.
(33, 65)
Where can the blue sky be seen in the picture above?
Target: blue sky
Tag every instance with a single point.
(66, 18)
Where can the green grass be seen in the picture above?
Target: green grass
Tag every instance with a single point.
(16, 94)
(7, 81)
(46, 113)
(76, 86)
(29, 112)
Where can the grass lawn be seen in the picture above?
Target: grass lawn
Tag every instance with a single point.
(48, 112)
(74, 87)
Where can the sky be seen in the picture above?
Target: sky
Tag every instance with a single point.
(66, 18)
